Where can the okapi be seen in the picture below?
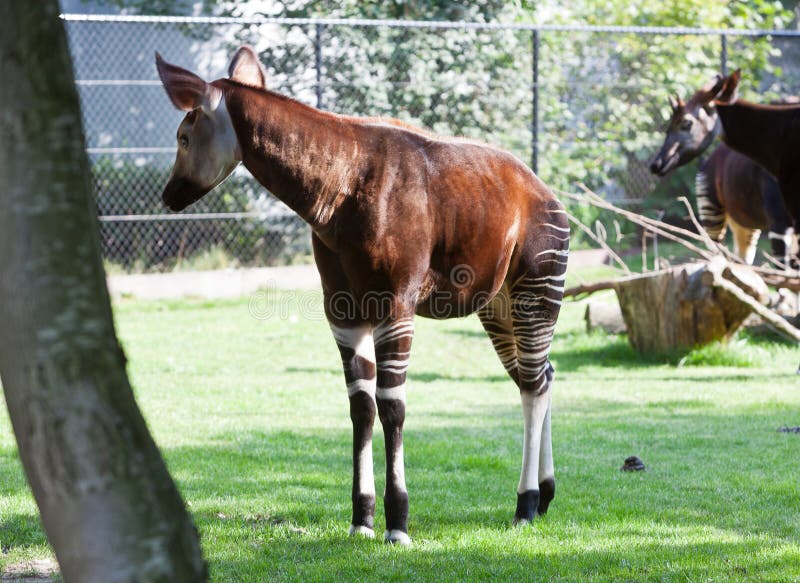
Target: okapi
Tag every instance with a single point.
(426, 225)
(767, 134)
(731, 189)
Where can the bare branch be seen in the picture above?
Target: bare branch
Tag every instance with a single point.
(600, 242)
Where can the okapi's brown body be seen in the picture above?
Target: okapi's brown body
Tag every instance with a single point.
(403, 222)
(393, 209)
(770, 136)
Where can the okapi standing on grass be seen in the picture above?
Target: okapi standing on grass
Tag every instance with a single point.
(438, 227)
(731, 189)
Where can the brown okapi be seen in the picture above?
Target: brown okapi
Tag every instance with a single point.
(729, 186)
(767, 134)
(403, 222)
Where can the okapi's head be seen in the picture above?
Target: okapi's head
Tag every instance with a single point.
(208, 150)
(694, 124)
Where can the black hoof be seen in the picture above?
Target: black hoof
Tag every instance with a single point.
(547, 491)
(527, 503)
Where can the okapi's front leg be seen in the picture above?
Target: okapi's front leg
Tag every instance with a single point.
(392, 350)
(358, 360)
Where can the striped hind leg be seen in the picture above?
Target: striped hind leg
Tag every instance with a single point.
(358, 360)
(533, 333)
(744, 241)
(709, 210)
(537, 484)
(535, 304)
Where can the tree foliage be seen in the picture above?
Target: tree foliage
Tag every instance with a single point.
(602, 96)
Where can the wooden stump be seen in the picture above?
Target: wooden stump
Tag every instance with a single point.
(687, 306)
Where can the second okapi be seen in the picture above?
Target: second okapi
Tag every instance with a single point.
(731, 189)
(767, 134)
(403, 222)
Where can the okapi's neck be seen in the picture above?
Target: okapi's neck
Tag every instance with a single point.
(307, 158)
(757, 131)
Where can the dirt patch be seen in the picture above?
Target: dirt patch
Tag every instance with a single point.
(36, 571)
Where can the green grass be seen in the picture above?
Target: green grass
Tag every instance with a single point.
(252, 418)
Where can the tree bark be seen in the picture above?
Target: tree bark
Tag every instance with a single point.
(687, 306)
(108, 505)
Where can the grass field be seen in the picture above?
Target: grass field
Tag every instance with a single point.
(252, 418)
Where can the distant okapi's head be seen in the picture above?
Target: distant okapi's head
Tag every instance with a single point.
(694, 124)
(208, 150)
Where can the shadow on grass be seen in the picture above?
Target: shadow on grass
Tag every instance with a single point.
(279, 501)
(652, 561)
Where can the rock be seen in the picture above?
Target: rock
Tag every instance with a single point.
(605, 316)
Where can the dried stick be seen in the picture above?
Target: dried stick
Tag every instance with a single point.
(596, 200)
(596, 286)
(589, 288)
(659, 227)
(768, 315)
(600, 242)
(710, 243)
(777, 262)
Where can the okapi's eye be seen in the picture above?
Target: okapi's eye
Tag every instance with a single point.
(184, 141)
(686, 124)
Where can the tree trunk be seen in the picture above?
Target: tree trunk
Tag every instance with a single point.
(108, 505)
(687, 306)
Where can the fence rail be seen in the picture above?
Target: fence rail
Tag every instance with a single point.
(581, 103)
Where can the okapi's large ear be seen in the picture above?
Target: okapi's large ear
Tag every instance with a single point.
(710, 90)
(186, 90)
(728, 94)
(673, 103)
(247, 69)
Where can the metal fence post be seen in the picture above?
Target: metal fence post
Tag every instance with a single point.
(535, 103)
(318, 63)
(724, 55)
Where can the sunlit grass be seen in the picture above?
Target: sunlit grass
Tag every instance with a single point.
(252, 418)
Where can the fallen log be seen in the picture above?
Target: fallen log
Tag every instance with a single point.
(686, 306)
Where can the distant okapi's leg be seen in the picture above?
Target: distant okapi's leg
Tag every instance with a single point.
(535, 303)
(781, 244)
(358, 360)
(393, 339)
(781, 234)
(744, 241)
(709, 210)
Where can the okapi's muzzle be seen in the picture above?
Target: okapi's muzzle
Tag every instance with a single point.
(664, 162)
(181, 192)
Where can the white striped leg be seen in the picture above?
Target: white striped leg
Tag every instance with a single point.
(358, 361)
(709, 211)
(392, 351)
(744, 241)
(536, 301)
(781, 245)
(547, 481)
(534, 413)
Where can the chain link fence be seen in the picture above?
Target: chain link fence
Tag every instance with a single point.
(579, 104)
